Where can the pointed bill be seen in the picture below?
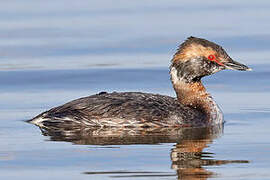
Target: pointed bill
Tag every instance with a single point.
(234, 65)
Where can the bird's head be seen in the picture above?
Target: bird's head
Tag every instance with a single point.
(198, 57)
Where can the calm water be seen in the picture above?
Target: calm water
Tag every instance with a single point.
(52, 52)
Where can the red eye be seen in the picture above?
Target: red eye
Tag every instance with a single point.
(211, 57)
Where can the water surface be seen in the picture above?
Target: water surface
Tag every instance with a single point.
(54, 52)
(241, 146)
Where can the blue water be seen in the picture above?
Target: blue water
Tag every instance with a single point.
(56, 51)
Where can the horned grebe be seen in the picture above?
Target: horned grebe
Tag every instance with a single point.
(194, 59)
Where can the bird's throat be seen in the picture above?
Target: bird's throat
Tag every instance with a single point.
(193, 94)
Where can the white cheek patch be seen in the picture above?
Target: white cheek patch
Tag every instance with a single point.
(174, 75)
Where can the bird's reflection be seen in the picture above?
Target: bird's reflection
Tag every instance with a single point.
(188, 157)
(190, 162)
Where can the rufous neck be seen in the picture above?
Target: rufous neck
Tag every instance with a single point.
(192, 94)
(189, 93)
(195, 96)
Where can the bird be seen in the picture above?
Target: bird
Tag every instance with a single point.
(193, 106)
